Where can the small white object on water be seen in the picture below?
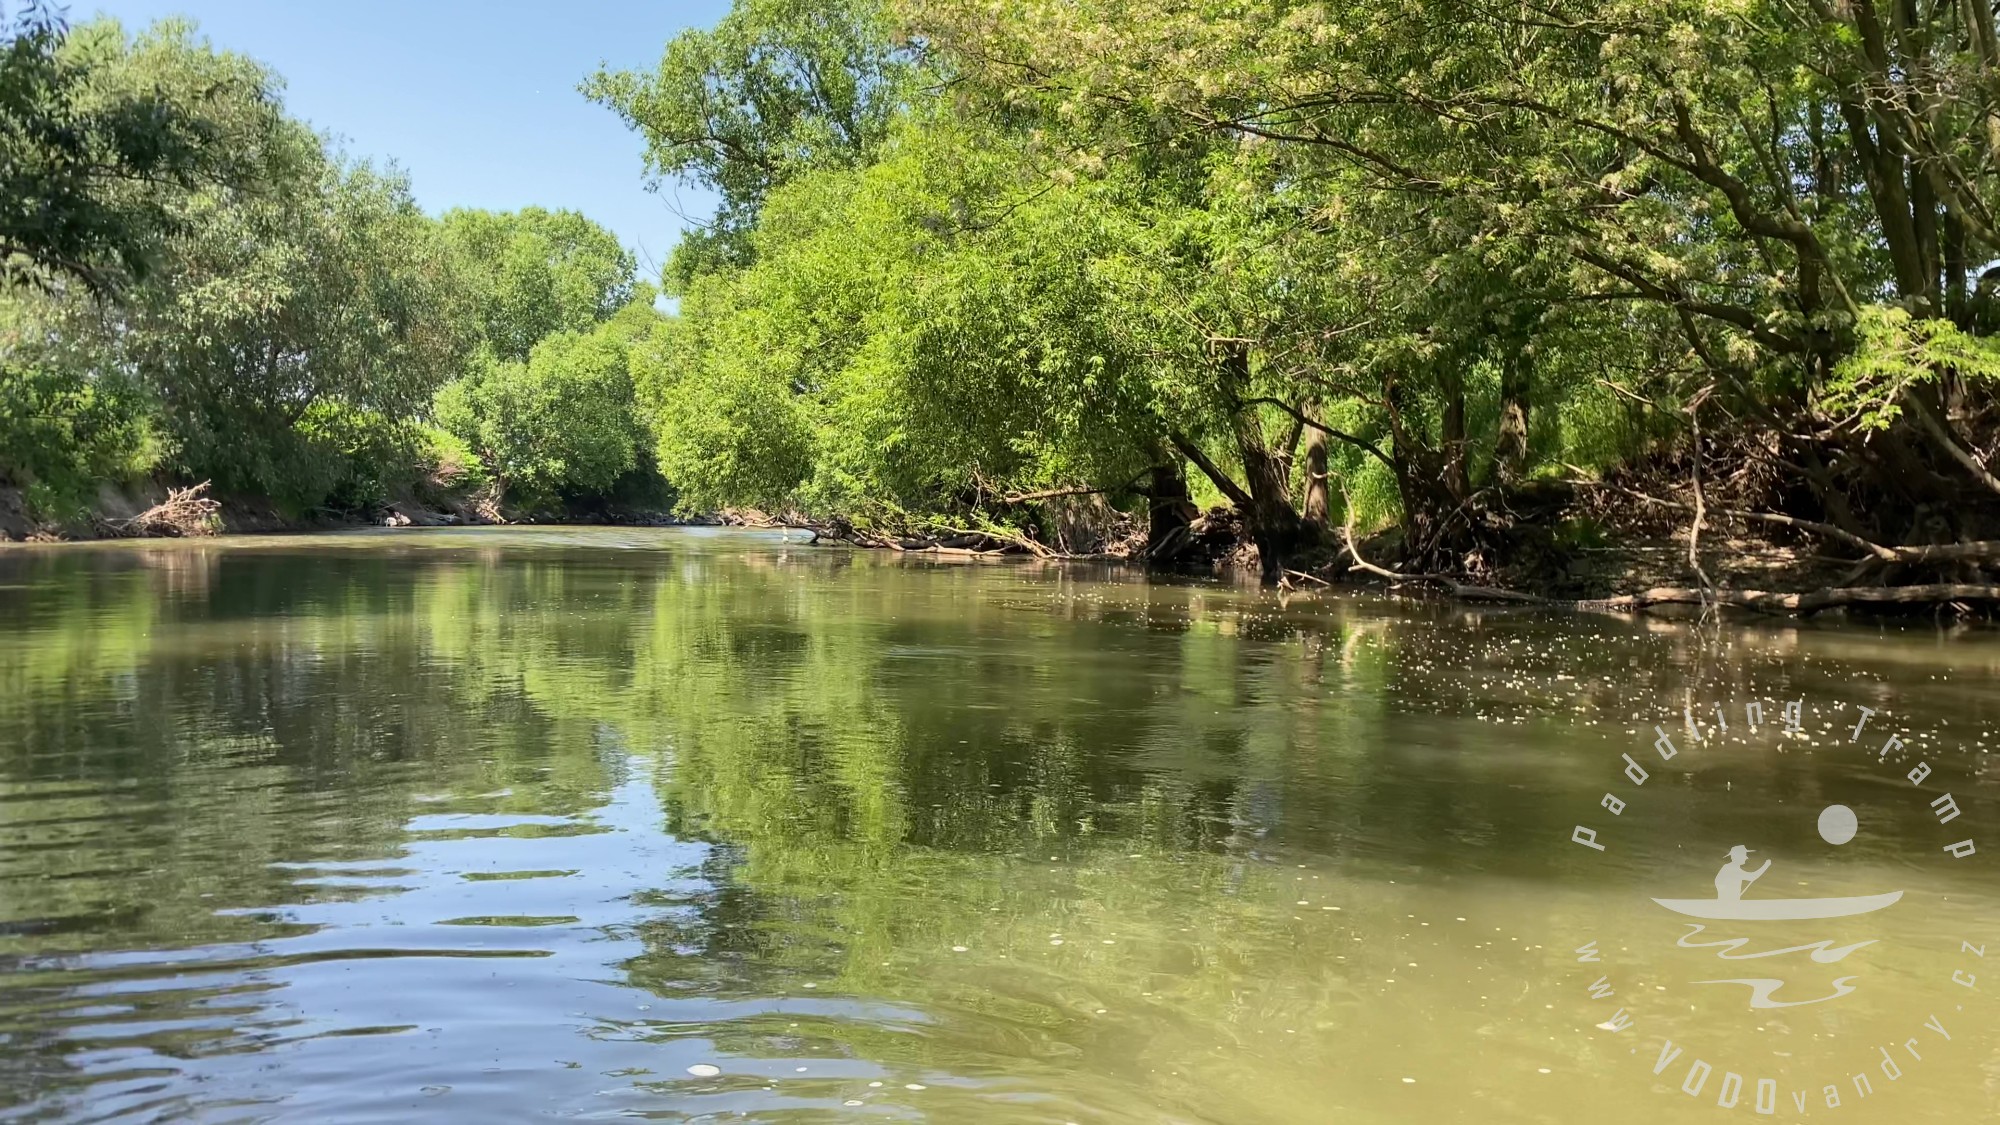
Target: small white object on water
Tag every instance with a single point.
(704, 1070)
(874, 1085)
(1055, 941)
(913, 1085)
(809, 984)
(958, 949)
(1409, 1081)
(852, 1101)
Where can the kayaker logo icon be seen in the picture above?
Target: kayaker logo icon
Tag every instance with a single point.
(1736, 878)
(1838, 825)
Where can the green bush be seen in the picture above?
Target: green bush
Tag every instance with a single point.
(562, 424)
(65, 426)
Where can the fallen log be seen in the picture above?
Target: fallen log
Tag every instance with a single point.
(1813, 601)
(409, 515)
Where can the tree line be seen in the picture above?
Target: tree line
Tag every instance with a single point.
(1412, 264)
(199, 286)
(1038, 268)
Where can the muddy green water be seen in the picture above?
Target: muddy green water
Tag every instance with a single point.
(506, 825)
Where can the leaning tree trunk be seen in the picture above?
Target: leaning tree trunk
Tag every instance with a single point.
(1172, 509)
(1269, 517)
(1510, 454)
(1314, 512)
(1272, 521)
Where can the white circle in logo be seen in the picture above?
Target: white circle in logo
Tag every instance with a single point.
(1838, 824)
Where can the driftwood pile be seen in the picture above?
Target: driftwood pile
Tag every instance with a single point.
(186, 512)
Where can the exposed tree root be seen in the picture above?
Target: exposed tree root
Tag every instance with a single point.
(1762, 601)
(1984, 550)
(1450, 586)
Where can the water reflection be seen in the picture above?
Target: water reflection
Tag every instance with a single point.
(484, 824)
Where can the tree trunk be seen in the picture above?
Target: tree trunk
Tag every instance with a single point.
(1269, 516)
(1428, 504)
(1172, 509)
(1457, 478)
(1510, 455)
(1315, 509)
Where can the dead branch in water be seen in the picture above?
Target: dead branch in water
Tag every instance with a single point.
(1450, 586)
(1984, 550)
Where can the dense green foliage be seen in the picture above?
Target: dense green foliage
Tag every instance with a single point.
(563, 421)
(88, 125)
(538, 272)
(1418, 255)
(778, 89)
(216, 295)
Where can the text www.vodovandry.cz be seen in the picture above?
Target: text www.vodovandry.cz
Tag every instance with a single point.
(1837, 826)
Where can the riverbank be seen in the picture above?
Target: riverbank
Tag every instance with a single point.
(160, 509)
(1620, 544)
(1583, 545)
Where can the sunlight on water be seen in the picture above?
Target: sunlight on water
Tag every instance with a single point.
(701, 825)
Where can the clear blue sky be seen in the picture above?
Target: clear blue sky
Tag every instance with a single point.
(476, 101)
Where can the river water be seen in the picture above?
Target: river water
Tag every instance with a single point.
(494, 825)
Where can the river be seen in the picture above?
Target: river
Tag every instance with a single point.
(501, 824)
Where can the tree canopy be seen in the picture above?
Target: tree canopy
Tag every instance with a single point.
(777, 89)
(206, 289)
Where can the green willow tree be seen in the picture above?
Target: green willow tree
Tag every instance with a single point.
(88, 126)
(925, 334)
(1039, 288)
(101, 137)
(546, 404)
(536, 272)
(563, 422)
(777, 89)
(286, 320)
(294, 318)
(282, 319)
(1784, 204)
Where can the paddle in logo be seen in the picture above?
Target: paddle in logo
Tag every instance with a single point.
(1791, 961)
